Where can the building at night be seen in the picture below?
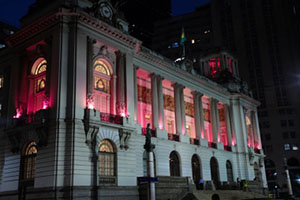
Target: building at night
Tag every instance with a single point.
(77, 92)
(264, 37)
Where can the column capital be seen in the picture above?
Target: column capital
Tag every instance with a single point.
(196, 93)
(91, 40)
(153, 75)
(177, 85)
(160, 77)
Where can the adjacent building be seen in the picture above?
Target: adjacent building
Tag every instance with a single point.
(78, 92)
(264, 36)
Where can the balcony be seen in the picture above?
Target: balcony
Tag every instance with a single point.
(153, 132)
(212, 145)
(173, 137)
(114, 119)
(227, 148)
(194, 141)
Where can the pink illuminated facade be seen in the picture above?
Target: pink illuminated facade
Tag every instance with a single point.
(81, 94)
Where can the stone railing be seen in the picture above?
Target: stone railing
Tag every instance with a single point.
(194, 141)
(173, 137)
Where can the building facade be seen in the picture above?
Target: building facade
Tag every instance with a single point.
(78, 92)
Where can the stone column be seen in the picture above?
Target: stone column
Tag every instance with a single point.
(90, 65)
(182, 106)
(213, 120)
(217, 121)
(113, 98)
(161, 103)
(203, 134)
(178, 121)
(136, 105)
(154, 101)
(121, 65)
(228, 124)
(197, 114)
(256, 124)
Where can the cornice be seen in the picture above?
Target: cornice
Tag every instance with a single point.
(164, 62)
(45, 22)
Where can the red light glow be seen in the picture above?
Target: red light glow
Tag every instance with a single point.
(19, 112)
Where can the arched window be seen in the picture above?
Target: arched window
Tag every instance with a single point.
(229, 171)
(102, 86)
(196, 169)
(214, 170)
(29, 162)
(174, 164)
(107, 162)
(145, 163)
(38, 85)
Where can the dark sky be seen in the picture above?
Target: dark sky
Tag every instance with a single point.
(12, 10)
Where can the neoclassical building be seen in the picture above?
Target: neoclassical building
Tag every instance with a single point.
(77, 92)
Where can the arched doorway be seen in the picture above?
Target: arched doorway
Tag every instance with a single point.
(214, 170)
(174, 164)
(196, 169)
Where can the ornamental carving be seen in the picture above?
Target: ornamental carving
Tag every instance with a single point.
(169, 103)
(144, 94)
(206, 115)
(221, 114)
(189, 109)
(124, 139)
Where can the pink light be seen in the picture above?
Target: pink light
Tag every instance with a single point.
(19, 113)
(160, 126)
(233, 143)
(45, 104)
(90, 102)
(123, 114)
(90, 106)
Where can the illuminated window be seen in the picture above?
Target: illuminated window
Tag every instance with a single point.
(102, 78)
(107, 162)
(29, 161)
(295, 147)
(1, 81)
(38, 82)
(287, 147)
(215, 66)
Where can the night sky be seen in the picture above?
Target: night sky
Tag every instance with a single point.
(12, 10)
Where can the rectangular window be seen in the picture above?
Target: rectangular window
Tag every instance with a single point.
(283, 123)
(268, 136)
(291, 123)
(285, 135)
(293, 134)
(189, 113)
(287, 147)
(144, 92)
(169, 106)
